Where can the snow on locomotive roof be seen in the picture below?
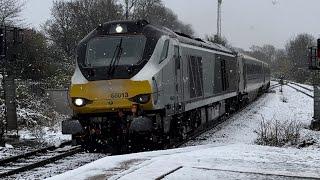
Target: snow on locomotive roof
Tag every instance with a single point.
(252, 58)
(202, 43)
(184, 38)
(143, 26)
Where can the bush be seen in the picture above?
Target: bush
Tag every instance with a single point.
(276, 133)
(33, 108)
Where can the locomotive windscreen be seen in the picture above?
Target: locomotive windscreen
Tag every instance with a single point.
(101, 51)
(117, 50)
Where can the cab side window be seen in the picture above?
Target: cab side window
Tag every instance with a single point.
(165, 50)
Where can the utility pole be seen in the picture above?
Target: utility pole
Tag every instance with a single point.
(219, 17)
(314, 64)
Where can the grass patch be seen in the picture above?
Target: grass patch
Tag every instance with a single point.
(276, 133)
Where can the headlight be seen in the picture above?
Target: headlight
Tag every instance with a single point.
(141, 99)
(79, 102)
(119, 29)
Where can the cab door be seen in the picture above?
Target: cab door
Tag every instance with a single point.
(178, 72)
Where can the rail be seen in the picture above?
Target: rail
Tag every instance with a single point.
(28, 161)
(303, 87)
(300, 91)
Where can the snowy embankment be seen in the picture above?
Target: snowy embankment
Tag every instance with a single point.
(226, 152)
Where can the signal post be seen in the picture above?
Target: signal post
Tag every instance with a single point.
(314, 61)
(10, 38)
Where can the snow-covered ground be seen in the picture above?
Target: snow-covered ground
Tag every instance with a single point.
(59, 167)
(31, 140)
(50, 136)
(226, 152)
(306, 86)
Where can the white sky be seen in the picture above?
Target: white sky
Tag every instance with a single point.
(245, 22)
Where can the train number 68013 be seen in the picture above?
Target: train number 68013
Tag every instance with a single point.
(119, 95)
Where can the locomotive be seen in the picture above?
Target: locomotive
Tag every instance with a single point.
(136, 83)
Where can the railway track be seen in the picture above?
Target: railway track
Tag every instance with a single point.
(274, 86)
(299, 90)
(303, 87)
(28, 161)
(290, 84)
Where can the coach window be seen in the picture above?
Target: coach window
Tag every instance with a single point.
(165, 50)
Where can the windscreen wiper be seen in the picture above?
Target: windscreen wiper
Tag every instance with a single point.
(116, 58)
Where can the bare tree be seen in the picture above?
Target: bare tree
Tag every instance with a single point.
(219, 40)
(282, 66)
(72, 20)
(266, 53)
(10, 11)
(297, 51)
(156, 13)
(129, 5)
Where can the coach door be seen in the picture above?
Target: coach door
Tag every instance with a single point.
(241, 74)
(264, 72)
(178, 77)
(245, 70)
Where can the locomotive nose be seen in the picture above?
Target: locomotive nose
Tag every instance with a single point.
(109, 96)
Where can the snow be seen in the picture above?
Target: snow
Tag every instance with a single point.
(59, 167)
(241, 158)
(9, 146)
(240, 128)
(30, 140)
(48, 136)
(305, 85)
(226, 152)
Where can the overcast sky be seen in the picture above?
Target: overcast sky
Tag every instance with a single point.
(244, 22)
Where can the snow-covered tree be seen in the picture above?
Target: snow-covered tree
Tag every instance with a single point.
(10, 11)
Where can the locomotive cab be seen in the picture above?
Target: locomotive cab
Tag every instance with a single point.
(107, 59)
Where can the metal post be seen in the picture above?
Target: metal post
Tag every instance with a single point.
(10, 101)
(219, 19)
(315, 124)
(315, 65)
(10, 43)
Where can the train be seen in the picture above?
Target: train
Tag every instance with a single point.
(140, 85)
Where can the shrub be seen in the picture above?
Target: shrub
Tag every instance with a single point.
(276, 133)
(38, 132)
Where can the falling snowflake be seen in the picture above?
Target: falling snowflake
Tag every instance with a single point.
(274, 2)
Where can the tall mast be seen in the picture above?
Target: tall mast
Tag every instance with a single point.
(219, 19)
